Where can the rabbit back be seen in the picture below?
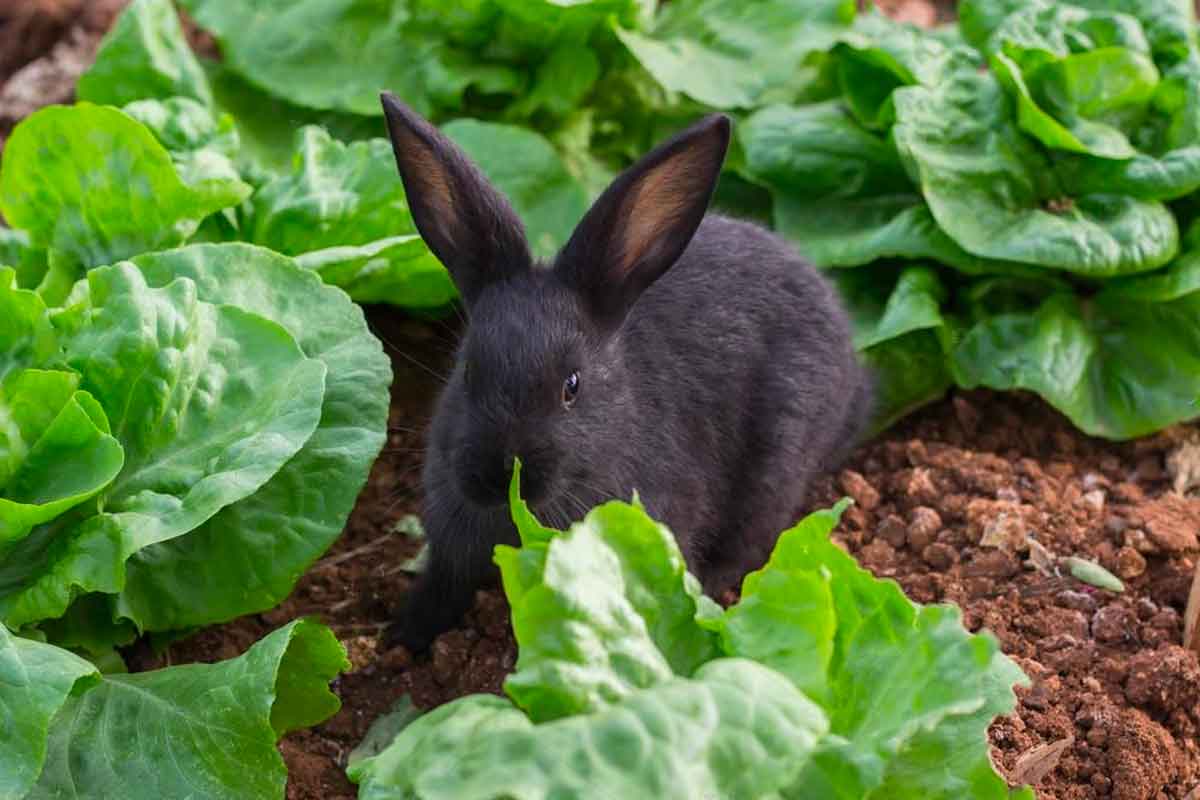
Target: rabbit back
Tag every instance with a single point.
(746, 385)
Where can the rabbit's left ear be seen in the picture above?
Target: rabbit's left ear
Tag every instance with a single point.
(643, 221)
(466, 222)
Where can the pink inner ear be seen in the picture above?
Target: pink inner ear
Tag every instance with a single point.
(428, 177)
(658, 201)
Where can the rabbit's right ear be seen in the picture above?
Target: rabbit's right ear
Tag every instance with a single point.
(644, 220)
(467, 224)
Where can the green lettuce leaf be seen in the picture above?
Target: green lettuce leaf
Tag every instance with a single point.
(994, 193)
(899, 677)
(17, 253)
(901, 333)
(686, 738)
(207, 402)
(250, 554)
(203, 149)
(399, 270)
(1169, 25)
(27, 336)
(906, 693)
(841, 193)
(339, 55)
(49, 423)
(36, 680)
(1121, 364)
(1082, 81)
(199, 730)
(343, 212)
(144, 56)
(336, 194)
(726, 54)
(879, 55)
(599, 611)
(94, 186)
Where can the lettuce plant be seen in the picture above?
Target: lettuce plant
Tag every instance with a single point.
(820, 682)
(1012, 213)
(200, 730)
(188, 420)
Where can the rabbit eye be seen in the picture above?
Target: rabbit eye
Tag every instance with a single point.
(570, 390)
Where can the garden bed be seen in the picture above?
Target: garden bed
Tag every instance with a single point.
(1109, 672)
(945, 501)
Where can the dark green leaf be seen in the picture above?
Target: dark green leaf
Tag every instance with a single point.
(993, 192)
(727, 54)
(1121, 364)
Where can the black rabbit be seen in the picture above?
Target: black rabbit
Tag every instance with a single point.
(696, 359)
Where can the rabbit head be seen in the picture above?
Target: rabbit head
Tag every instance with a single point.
(541, 373)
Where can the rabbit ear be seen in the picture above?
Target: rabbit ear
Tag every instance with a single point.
(643, 221)
(466, 222)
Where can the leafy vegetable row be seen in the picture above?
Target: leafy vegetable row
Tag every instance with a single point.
(985, 193)
(1009, 216)
(821, 682)
(187, 422)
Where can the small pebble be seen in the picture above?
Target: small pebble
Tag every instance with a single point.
(1145, 608)
(1138, 540)
(940, 556)
(923, 527)
(1130, 563)
(1080, 601)
(864, 494)
(892, 530)
(1113, 624)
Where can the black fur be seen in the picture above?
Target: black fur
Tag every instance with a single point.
(716, 390)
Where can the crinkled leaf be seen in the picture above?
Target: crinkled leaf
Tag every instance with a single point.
(197, 730)
(399, 270)
(1170, 25)
(203, 149)
(339, 54)
(144, 56)
(95, 185)
(898, 678)
(335, 195)
(1082, 81)
(525, 167)
(879, 55)
(685, 738)
(728, 54)
(48, 423)
(841, 193)
(993, 192)
(201, 429)
(250, 554)
(1123, 363)
(343, 212)
(36, 680)
(1168, 167)
(598, 611)
(27, 337)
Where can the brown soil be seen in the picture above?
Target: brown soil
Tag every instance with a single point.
(946, 503)
(1109, 674)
